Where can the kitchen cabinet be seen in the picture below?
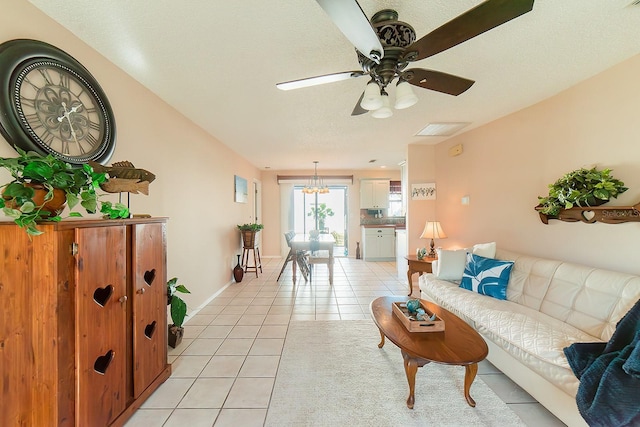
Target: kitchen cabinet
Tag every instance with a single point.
(374, 194)
(83, 321)
(379, 244)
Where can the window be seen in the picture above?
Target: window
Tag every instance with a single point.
(395, 199)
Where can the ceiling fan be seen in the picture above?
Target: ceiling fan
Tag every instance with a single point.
(385, 46)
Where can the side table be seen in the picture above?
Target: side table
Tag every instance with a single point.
(417, 266)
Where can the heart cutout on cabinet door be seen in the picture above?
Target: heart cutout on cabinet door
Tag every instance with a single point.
(102, 362)
(150, 329)
(149, 276)
(102, 295)
(588, 215)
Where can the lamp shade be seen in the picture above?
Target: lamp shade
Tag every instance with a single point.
(384, 111)
(405, 97)
(371, 100)
(433, 230)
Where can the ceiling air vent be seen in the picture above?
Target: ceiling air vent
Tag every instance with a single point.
(442, 129)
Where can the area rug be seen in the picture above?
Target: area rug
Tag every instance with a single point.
(334, 374)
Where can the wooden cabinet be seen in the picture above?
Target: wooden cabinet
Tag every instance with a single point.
(83, 327)
(374, 194)
(379, 244)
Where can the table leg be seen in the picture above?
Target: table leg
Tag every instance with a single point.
(469, 376)
(381, 339)
(410, 368)
(409, 274)
(331, 266)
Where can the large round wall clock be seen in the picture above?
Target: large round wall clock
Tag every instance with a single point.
(51, 104)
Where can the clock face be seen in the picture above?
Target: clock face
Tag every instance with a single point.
(52, 105)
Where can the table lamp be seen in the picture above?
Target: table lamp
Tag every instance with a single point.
(432, 230)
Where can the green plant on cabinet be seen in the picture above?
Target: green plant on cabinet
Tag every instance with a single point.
(31, 171)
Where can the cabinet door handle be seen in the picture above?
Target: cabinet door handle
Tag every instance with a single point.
(123, 299)
(141, 291)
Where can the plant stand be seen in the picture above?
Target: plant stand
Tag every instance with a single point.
(248, 245)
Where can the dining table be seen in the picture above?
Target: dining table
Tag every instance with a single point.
(304, 242)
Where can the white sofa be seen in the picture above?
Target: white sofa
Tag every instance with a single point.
(550, 304)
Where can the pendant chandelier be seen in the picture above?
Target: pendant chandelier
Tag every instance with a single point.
(315, 184)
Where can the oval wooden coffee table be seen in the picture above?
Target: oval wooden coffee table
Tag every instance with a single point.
(458, 344)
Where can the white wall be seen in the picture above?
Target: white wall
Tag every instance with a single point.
(195, 172)
(506, 164)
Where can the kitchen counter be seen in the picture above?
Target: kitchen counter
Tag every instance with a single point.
(394, 226)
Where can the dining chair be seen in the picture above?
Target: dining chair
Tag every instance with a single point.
(319, 257)
(295, 256)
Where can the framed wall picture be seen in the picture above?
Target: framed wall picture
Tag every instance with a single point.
(423, 191)
(241, 190)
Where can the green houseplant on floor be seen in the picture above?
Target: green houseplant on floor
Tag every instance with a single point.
(178, 311)
(41, 187)
(581, 187)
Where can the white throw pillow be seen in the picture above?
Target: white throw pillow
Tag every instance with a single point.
(487, 250)
(450, 264)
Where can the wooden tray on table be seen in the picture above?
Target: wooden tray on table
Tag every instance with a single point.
(413, 325)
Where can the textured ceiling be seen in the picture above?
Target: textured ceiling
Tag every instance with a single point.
(218, 61)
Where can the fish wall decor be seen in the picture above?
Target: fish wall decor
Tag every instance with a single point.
(124, 177)
(124, 169)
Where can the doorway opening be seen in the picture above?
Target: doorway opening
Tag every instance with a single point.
(324, 212)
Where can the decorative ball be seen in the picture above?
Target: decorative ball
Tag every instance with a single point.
(413, 305)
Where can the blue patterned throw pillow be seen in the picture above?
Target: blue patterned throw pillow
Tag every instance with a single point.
(487, 276)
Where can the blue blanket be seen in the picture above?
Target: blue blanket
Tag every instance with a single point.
(609, 374)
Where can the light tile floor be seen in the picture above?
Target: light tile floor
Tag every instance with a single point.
(224, 370)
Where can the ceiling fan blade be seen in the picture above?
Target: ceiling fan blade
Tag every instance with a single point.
(437, 80)
(481, 18)
(319, 80)
(358, 110)
(351, 20)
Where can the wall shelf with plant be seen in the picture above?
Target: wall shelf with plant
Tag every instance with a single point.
(578, 196)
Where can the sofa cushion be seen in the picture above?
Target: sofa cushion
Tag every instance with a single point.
(486, 276)
(588, 298)
(537, 340)
(530, 336)
(487, 250)
(450, 264)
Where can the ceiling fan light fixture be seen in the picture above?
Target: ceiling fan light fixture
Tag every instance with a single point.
(385, 111)
(405, 97)
(372, 99)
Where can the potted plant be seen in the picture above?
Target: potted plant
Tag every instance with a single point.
(250, 227)
(248, 232)
(178, 311)
(321, 212)
(581, 187)
(41, 186)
